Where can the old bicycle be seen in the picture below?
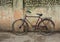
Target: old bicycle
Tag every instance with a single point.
(43, 25)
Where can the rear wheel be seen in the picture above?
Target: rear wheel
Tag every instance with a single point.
(46, 27)
(19, 27)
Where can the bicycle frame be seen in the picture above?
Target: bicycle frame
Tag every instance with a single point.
(34, 28)
(38, 20)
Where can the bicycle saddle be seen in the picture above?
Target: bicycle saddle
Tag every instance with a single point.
(40, 14)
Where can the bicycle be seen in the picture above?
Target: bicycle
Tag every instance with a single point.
(43, 25)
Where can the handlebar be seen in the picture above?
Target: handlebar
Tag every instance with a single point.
(31, 16)
(34, 16)
(38, 16)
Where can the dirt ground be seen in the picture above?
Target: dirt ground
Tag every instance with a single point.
(30, 37)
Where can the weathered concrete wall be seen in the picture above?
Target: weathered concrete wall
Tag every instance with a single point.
(9, 15)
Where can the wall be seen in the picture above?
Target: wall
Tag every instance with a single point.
(8, 15)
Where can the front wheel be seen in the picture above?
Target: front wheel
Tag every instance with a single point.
(19, 27)
(46, 27)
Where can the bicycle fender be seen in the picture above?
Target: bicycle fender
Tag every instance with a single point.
(22, 19)
(46, 19)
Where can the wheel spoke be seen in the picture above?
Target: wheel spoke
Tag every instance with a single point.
(46, 26)
(45, 22)
(19, 26)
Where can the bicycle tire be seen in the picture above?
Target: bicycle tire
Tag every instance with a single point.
(46, 32)
(18, 31)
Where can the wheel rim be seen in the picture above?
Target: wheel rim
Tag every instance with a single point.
(46, 26)
(19, 26)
